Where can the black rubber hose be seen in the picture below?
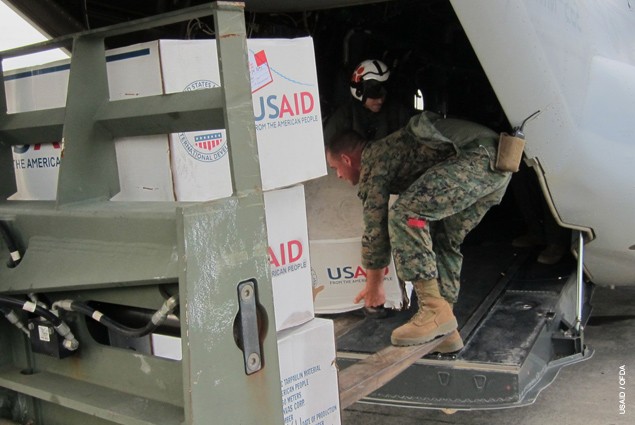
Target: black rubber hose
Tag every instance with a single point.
(8, 240)
(42, 312)
(86, 310)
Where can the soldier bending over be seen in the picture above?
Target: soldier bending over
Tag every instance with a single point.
(443, 171)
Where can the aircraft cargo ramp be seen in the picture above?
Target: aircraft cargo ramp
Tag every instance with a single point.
(515, 316)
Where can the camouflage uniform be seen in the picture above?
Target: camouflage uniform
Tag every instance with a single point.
(443, 171)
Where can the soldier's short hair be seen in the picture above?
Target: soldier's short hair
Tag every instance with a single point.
(345, 141)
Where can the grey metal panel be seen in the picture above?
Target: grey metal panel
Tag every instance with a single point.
(168, 113)
(98, 245)
(223, 244)
(32, 127)
(89, 165)
(241, 129)
(115, 406)
(60, 264)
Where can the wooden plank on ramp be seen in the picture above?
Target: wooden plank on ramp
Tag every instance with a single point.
(373, 372)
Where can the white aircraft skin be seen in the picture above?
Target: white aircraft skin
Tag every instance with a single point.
(574, 61)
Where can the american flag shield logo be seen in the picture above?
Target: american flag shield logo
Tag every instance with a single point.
(208, 142)
(207, 145)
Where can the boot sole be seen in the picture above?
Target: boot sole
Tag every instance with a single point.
(446, 348)
(442, 329)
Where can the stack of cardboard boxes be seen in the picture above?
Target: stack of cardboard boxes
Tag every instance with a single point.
(195, 167)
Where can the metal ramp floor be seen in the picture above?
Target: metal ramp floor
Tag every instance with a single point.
(512, 315)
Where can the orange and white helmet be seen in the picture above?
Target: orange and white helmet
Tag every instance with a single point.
(368, 78)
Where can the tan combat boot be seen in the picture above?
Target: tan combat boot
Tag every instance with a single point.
(433, 319)
(452, 343)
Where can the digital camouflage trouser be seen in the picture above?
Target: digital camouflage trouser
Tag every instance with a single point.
(430, 220)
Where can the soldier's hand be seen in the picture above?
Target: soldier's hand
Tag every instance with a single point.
(373, 293)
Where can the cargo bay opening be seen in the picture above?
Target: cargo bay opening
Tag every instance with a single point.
(515, 315)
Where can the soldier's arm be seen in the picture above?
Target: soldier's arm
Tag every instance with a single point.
(375, 240)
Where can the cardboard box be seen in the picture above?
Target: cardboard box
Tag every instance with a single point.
(143, 162)
(338, 276)
(289, 257)
(200, 160)
(36, 166)
(286, 112)
(308, 374)
(187, 166)
(334, 216)
(36, 169)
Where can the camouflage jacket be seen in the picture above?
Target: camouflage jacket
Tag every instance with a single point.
(390, 165)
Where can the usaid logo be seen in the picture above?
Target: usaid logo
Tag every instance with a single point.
(348, 274)
(204, 146)
(286, 257)
(286, 106)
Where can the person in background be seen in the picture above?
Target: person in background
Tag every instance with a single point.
(542, 228)
(370, 111)
(443, 171)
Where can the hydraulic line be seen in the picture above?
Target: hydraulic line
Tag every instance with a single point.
(31, 307)
(14, 253)
(13, 318)
(157, 318)
(70, 343)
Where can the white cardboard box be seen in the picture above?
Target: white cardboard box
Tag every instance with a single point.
(308, 374)
(286, 112)
(36, 166)
(143, 162)
(289, 258)
(334, 216)
(338, 276)
(188, 166)
(200, 164)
